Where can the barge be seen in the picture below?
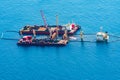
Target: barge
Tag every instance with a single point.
(42, 42)
(51, 41)
(43, 30)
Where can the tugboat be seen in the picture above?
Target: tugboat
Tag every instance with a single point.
(44, 29)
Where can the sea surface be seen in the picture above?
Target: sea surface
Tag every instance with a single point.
(76, 61)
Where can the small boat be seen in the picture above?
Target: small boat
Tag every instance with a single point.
(102, 37)
(43, 30)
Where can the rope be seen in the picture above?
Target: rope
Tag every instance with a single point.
(9, 39)
(87, 34)
(82, 41)
(115, 40)
(115, 36)
(1, 36)
(13, 31)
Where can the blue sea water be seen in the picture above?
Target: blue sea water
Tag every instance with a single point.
(76, 61)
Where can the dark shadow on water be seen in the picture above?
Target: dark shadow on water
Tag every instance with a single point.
(82, 44)
(43, 48)
(102, 44)
(103, 48)
(57, 52)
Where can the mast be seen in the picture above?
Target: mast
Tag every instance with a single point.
(50, 33)
(81, 35)
(57, 26)
(43, 17)
(66, 33)
(34, 33)
(65, 36)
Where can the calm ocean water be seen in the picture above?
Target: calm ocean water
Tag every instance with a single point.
(76, 61)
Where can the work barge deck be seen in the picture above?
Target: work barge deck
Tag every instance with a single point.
(43, 30)
(52, 40)
(45, 42)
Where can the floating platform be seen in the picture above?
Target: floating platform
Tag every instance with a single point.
(28, 41)
(42, 30)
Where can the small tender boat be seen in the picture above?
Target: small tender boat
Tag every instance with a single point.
(71, 29)
(102, 37)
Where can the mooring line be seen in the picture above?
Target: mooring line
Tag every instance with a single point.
(12, 31)
(83, 41)
(1, 36)
(86, 34)
(115, 36)
(9, 39)
(115, 40)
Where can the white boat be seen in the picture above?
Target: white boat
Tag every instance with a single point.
(102, 37)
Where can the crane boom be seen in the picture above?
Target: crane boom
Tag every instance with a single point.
(43, 17)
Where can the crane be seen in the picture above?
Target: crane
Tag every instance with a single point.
(43, 17)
